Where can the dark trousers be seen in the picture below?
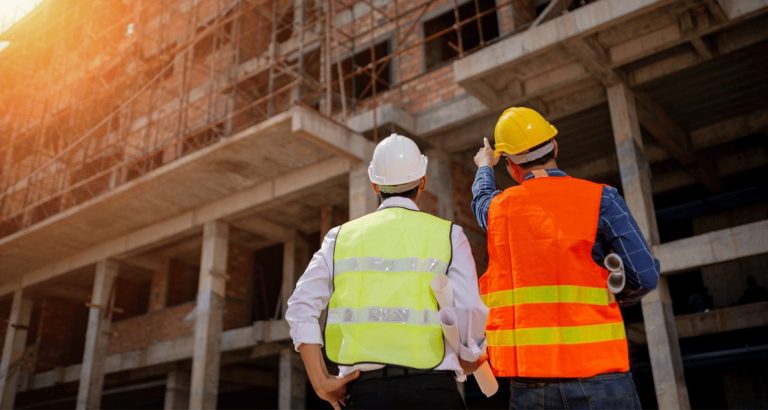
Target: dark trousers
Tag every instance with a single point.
(605, 391)
(433, 390)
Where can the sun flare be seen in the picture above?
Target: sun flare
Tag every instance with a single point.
(12, 11)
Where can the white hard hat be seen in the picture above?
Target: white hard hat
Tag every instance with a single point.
(396, 161)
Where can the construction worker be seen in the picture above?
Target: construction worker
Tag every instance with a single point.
(374, 273)
(553, 327)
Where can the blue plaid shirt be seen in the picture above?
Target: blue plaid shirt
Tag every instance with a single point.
(616, 231)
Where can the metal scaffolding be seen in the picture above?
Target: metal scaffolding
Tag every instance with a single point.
(98, 93)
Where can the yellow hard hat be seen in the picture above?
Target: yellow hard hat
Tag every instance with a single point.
(520, 129)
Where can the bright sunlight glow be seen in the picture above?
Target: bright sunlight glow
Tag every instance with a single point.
(12, 11)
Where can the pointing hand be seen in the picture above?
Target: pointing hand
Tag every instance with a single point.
(485, 155)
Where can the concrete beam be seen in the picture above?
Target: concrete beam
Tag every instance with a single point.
(13, 349)
(383, 114)
(264, 228)
(675, 141)
(209, 315)
(666, 362)
(97, 335)
(712, 322)
(705, 137)
(258, 340)
(735, 9)
(324, 131)
(583, 20)
(447, 116)
(713, 247)
(227, 208)
(730, 129)
(293, 381)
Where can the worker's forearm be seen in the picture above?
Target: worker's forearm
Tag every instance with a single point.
(312, 356)
(483, 191)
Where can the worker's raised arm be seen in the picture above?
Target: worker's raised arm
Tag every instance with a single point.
(484, 186)
(618, 230)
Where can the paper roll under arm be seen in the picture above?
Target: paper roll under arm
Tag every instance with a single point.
(484, 376)
(450, 331)
(485, 380)
(616, 278)
(443, 290)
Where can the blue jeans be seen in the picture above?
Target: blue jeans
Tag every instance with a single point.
(605, 391)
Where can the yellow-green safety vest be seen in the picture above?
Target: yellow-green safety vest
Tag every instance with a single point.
(382, 309)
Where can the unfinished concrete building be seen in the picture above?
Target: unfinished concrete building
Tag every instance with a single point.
(167, 167)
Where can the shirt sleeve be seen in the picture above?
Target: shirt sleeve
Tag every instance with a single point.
(483, 191)
(471, 312)
(311, 296)
(619, 232)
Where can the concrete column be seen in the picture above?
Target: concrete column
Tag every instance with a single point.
(177, 390)
(15, 339)
(362, 200)
(661, 333)
(295, 260)
(209, 315)
(440, 182)
(293, 381)
(97, 335)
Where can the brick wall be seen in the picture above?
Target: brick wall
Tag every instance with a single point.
(60, 333)
(417, 90)
(237, 311)
(157, 326)
(131, 298)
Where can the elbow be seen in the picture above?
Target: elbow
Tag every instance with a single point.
(654, 280)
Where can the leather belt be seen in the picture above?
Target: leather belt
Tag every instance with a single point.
(397, 371)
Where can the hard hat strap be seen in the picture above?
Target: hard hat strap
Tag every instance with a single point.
(396, 189)
(532, 155)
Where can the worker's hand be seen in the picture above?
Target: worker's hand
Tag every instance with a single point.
(333, 389)
(470, 367)
(485, 155)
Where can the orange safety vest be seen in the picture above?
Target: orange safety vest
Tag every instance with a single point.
(551, 314)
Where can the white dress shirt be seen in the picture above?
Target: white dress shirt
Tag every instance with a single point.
(314, 288)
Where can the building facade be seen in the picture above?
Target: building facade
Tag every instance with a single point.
(168, 167)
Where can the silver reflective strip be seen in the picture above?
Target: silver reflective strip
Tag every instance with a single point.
(381, 314)
(372, 264)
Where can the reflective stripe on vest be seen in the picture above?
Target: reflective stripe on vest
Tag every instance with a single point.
(550, 312)
(567, 335)
(383, 315)
(368, 264)
(382, 309)
(549, 294)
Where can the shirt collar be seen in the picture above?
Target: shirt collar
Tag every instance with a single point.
(551, 172)
(399, 202)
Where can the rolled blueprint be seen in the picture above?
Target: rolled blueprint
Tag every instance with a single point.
(485, 380)
(451, 332)
(483, 375)
(443, 291)
(616, 278)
